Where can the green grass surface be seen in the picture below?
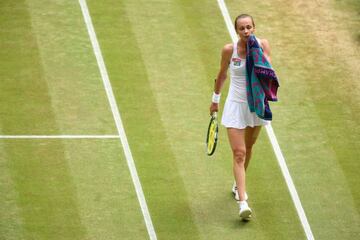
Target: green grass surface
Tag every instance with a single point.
(162, 57)
(47, 67)
(67, 190)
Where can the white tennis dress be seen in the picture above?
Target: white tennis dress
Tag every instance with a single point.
(236, 112)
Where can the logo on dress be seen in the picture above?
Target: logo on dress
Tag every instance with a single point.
(236, 61)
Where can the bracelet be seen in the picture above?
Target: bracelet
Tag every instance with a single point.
(216, 97)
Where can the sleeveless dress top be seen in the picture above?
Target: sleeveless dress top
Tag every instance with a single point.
(236, 112)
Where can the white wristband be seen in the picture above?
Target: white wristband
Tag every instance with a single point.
(216, 98)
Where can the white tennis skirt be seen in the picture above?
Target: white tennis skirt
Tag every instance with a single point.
(238, 115)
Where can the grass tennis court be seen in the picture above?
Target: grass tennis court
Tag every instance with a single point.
(162, 57)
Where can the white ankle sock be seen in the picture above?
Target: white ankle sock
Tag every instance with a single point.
(243, 203)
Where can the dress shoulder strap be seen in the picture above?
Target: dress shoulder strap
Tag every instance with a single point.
(235, 52)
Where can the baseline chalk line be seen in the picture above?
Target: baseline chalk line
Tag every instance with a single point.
(59, 136)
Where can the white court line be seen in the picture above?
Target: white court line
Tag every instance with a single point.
(118, 121)
(274, 142)
(59, 136)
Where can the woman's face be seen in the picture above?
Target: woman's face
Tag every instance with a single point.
(244, 28)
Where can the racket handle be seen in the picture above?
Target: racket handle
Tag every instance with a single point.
(214, 114)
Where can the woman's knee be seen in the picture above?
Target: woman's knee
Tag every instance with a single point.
(239, 155)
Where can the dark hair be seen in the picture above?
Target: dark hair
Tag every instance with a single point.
(244, 15)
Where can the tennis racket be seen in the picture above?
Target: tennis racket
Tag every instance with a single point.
(212, 134)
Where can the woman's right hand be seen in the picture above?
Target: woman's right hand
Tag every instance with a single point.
(214, 107)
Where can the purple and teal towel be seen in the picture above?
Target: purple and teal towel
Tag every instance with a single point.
(261, 80)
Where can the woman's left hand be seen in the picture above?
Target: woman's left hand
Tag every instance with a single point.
(214, 107)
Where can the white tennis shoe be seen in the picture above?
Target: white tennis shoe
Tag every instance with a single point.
(236, 193)
(244, 211)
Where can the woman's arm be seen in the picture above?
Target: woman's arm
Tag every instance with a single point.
(266, 49)
(221, 77)
(224, 65)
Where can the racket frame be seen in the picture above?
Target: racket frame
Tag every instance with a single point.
(216, 131)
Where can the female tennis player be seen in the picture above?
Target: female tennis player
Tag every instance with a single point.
(243, 126)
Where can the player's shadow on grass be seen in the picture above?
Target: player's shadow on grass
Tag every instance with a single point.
(239, 224)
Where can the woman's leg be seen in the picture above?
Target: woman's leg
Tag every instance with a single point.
(251, 135)
(237, 144)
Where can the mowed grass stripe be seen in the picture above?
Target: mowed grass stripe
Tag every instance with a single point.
(338, 107)
(93, 114)
(106, 198)
(44, 192)
(118, 121)
(177, 74)
(74, 83)
(11, 222)
(310, 121)
(25, 104)
(200, 25)
(38, 171)
(162, 185)
(102, 192)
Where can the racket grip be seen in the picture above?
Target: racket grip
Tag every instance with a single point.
(214, 114)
